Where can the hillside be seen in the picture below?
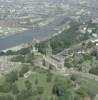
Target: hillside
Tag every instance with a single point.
(77, 33)
(39, 84)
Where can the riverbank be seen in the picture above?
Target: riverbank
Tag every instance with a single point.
(16, 48)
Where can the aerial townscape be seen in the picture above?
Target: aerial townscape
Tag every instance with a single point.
(48, 49)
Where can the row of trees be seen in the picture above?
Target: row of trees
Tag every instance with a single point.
(22, 51)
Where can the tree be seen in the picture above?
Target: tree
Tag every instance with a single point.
(43, 63)
(69, 95)
(36, 81)
(10, 52)
(67, 63)
(24, 94)
(15, 89)
(24, 51)
(42, 47)
(40, 90)
(19, 58)
(94, 53)
(38, 98)
(73, 77)
(63, 89)
(5, 87)
(7, 97)
(94, 70)
(82, 92)
(87, 57)
(90, 44)
(49, 76)
(28, 84)
(29, 58)
(70, 62)
(23, 70)
(12, 77)
(78, 97)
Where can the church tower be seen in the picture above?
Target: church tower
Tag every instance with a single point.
(49, 49)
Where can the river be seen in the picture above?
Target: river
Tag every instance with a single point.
(39, 34)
